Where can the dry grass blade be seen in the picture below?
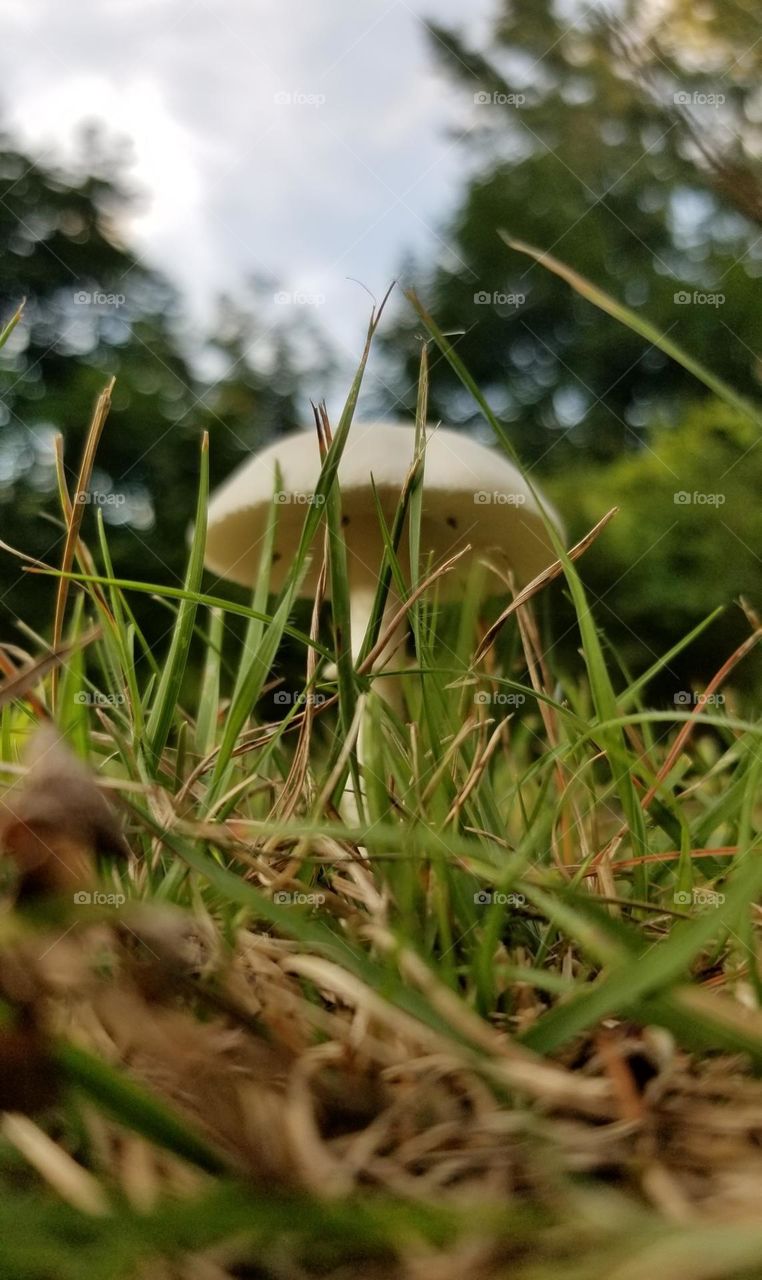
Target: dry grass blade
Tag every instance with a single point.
(21, 555)
(64, 497)
(20, 682)
(366, 666)
(683, 736)
(97, 424)
(347, 747)
(82, 552)
(737, 181)
(7, 330)
(548, 575)
(508, 1065)
(8, 670)
(478, 767)
(714, 684)
(449, 757)
(293, 790)
(570, 825)
(68, 1179)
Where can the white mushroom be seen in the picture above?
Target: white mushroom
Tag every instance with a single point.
(472, 496)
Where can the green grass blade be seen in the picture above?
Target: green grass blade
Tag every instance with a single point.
(255, 627)
(657, 967)
(133, 1106)
(638, 324)
(167, 695)
(209, 692)
(612, 739)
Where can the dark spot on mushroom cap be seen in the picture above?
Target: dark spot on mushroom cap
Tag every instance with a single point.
(452, 522)
(344, 521)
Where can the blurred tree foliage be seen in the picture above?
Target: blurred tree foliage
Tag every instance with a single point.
(687, 538)
(95, 309)
(629, 152)
(627, 147)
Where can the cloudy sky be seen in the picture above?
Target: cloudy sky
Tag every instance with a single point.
(307, 141)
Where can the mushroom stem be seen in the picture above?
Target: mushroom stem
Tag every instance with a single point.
(388, 687)
(360, 610)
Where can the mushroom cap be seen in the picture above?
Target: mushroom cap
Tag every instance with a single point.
(472, 496)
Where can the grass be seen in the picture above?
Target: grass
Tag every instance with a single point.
(503, 1021)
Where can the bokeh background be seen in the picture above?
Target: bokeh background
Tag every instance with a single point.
(197, 197)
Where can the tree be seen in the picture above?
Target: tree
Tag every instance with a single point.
(685, 540)
(587, 149)
(95, 309)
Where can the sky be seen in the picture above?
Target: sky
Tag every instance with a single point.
(313, 143)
